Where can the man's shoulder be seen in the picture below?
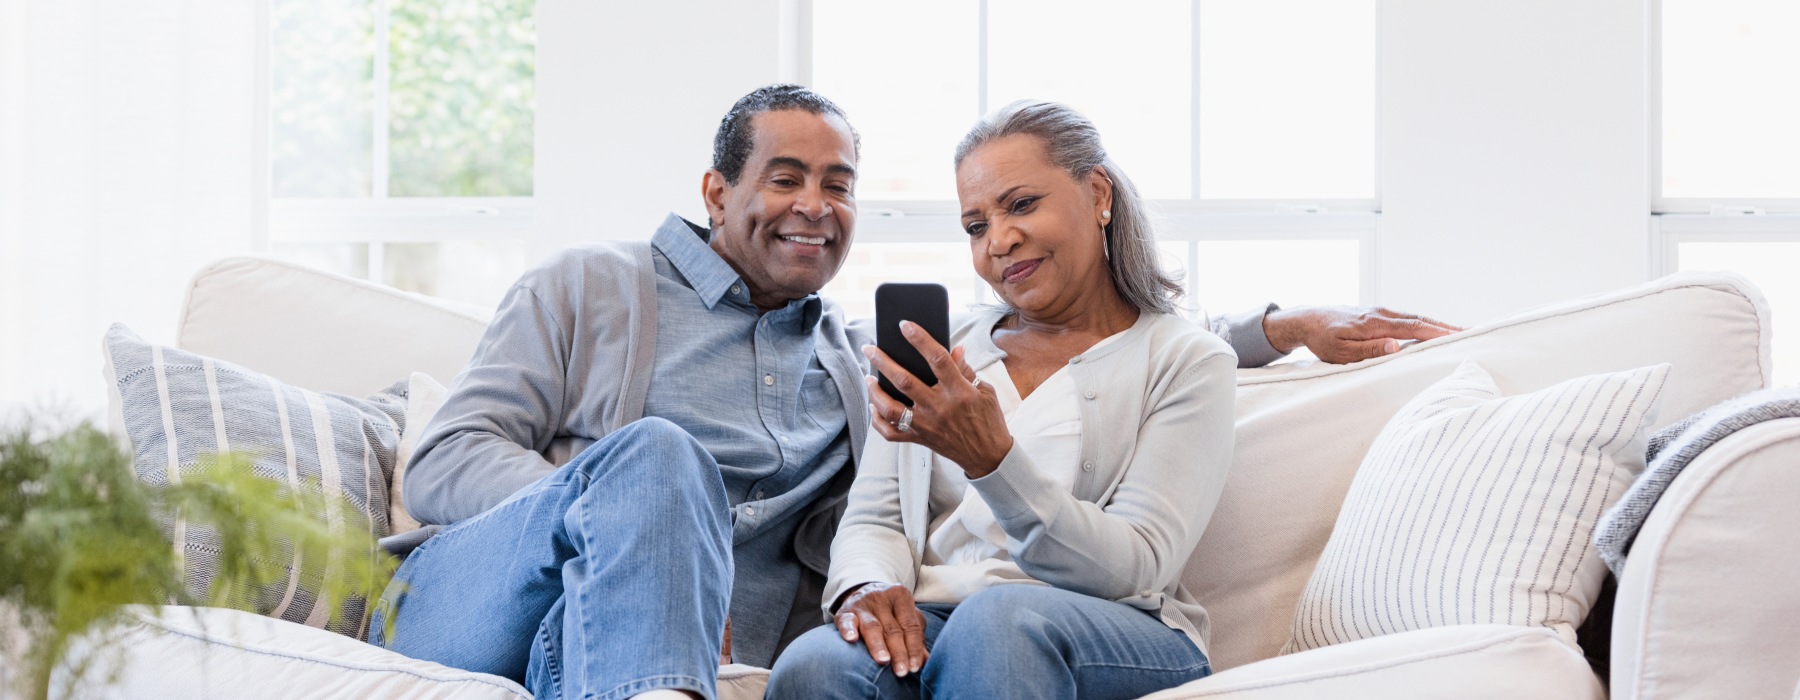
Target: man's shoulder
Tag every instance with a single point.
(577, 266)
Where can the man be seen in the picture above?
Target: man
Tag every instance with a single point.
(652, 439)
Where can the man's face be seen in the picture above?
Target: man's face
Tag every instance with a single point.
(787, 223)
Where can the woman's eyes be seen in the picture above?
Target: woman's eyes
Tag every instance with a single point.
(1023, 203)
(1019, 206)
(976, 229)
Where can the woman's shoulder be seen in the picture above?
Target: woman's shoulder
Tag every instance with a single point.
(1185, 339)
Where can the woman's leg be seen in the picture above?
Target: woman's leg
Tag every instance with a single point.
(821, 665)
(1018, 641)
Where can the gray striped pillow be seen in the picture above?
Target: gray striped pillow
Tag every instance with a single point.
(176, 405)
(1471, 508)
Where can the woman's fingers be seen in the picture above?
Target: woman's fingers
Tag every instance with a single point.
(902, 380)
(935, 355)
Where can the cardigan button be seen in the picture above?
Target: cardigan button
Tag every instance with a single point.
(1087, 466)
(1089, 395)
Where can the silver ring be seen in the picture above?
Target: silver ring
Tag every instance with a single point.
(905, 423)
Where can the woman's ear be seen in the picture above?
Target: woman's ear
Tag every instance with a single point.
(712, 189)
(1102, 183)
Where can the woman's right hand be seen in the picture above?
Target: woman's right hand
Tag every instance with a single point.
(890, 625)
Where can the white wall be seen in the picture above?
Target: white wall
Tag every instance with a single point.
(1514, 152)
(629, 95)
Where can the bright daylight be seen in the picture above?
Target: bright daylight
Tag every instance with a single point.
(857, 349)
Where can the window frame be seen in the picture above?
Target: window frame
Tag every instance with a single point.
(380, 218)
(1190, 220)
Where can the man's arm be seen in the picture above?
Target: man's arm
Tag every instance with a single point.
(502, 412)
(1336, 334)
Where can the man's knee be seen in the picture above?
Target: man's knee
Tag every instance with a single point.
(648, 444)
(821, 664)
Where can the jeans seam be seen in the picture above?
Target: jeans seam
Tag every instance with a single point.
(643, 685)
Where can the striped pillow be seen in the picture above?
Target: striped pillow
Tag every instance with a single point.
(175, 405)
(1471, 508)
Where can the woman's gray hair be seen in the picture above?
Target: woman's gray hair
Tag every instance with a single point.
(1073, 144)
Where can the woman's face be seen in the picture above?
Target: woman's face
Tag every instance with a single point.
(1035, 233)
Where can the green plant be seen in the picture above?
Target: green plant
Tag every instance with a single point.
(80, 540)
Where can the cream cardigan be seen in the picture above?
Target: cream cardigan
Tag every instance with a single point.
(1157, 415)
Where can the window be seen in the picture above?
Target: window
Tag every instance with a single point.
(401, 140)
(1728, 171)
(1250, 124)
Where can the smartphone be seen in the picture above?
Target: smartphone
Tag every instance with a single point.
(925, 304)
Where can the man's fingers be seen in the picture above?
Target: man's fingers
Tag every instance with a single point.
(846, 624)
(1358, 350)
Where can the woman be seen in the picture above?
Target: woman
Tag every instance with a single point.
(1021, 530)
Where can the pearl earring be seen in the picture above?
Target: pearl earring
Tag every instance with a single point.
(1107, 214)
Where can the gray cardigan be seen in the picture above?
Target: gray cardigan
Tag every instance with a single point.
(1157, 429)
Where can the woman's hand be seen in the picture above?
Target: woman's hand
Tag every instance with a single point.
(959, 418)
(884, 616)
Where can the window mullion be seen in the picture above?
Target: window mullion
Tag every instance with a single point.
(981, 62)
(379, 109)
(1194, 102)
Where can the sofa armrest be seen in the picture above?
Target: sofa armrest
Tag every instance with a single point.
(1710, 594)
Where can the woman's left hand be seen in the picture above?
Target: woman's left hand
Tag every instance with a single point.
(958, 418)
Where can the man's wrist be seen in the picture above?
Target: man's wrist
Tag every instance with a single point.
(1282, 328)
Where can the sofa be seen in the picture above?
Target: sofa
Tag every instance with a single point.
(1708, 604)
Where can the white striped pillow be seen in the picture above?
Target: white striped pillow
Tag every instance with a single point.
(1471, 508)
(176, 405)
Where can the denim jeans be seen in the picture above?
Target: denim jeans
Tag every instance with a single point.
(608, 578)
(1010, 641)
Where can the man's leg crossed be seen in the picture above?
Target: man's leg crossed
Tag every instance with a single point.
(607, 578)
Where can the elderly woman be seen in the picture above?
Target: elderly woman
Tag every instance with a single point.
(1020, 530)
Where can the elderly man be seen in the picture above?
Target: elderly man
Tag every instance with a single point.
(654, 437)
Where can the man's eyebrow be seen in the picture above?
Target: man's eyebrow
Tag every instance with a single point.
(997, 200)
(797, 164)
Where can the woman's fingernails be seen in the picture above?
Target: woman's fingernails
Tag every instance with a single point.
(908, 327)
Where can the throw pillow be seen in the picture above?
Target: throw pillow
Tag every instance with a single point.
(1473, 508)
(175, 405)
(424, 396)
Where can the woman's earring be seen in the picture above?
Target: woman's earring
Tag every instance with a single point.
(1107, 214)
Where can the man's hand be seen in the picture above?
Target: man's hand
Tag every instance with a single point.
(1345, 334)
(890, 625)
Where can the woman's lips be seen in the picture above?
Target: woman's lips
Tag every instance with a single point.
(1020, 270)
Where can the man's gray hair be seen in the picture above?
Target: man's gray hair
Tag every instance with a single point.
(1073, 144)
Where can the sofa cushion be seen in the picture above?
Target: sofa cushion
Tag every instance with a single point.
(323, 331)
(1469, 662)
(1302, 430)
(176, 406)
(183, 652)
(1472, 508)
(424, 396)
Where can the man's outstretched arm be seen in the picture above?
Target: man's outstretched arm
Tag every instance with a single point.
(1336, 334)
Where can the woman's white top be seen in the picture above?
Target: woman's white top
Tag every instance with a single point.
(965, 547)
(1156, 408)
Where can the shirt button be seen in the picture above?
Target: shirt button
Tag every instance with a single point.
(736, 289)
(1090, 395)
(749, 511)
(1087, 466)
(768, 380)
(759, 495)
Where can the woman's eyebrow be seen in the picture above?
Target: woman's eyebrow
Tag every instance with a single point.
(997, 200)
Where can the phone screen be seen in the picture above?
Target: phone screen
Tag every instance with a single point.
(925, 304)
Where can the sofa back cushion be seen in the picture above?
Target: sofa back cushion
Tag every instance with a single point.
(1303, 429)
(322, 331)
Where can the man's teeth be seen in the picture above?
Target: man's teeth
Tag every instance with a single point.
(804, 239)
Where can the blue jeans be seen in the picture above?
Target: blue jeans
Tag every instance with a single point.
(1010, 641)
(608, 578)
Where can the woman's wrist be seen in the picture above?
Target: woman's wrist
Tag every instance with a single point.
(990, 462)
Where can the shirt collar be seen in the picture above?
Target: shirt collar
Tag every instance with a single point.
(685, 245)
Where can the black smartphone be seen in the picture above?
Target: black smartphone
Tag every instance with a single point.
(925, 304)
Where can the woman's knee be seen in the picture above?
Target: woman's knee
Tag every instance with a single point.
(820, 664)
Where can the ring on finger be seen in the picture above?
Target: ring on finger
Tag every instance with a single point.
(905, 423)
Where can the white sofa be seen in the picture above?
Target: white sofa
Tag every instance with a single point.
(1709, 606)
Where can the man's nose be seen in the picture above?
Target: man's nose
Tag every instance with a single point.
(812, 204)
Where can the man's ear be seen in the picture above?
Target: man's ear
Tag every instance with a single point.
(712, 189)
(1102, 183)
